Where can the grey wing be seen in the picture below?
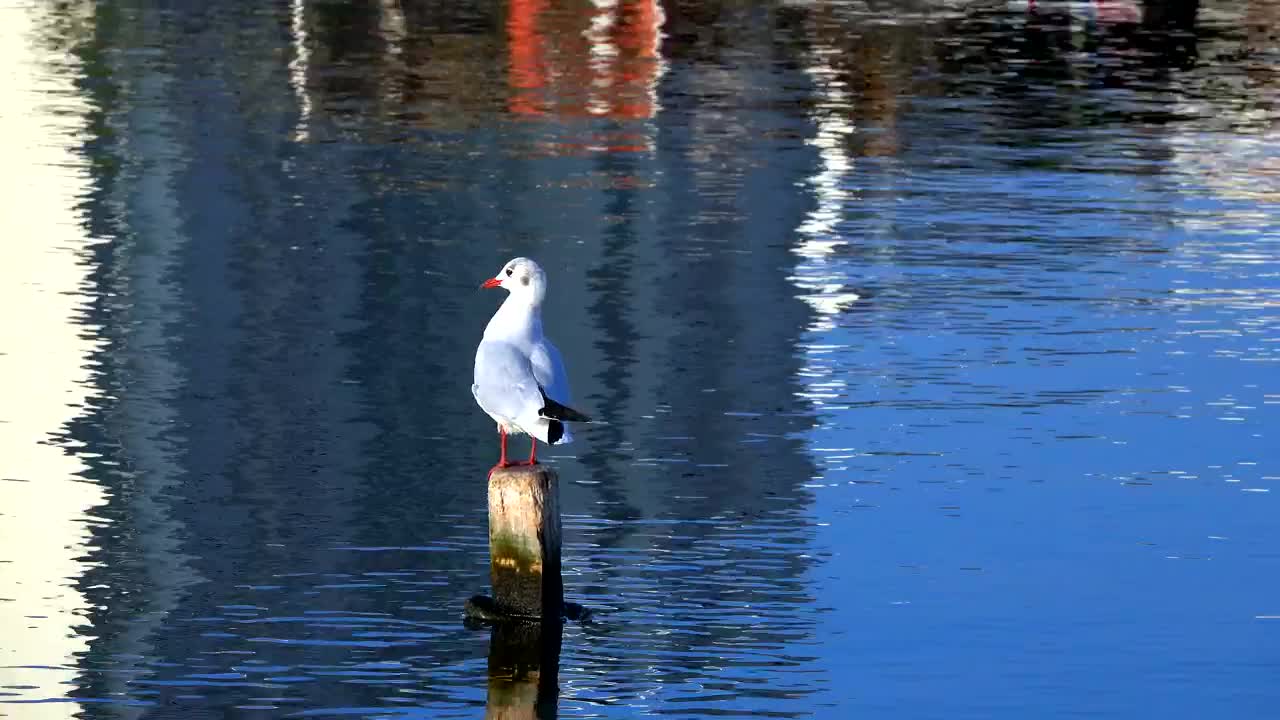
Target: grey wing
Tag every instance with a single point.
(504, 382)
(548, 368)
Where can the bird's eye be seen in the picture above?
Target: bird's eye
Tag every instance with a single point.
(508, 272)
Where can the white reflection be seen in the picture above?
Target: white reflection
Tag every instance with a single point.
(657, 18)
(821, 282)
(603, 53)
(298, 67)
(652, 18)
(394, 31)
(1231, 164)
(43, 357)
(1226, 157)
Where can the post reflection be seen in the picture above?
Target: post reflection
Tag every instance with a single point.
(524, 671)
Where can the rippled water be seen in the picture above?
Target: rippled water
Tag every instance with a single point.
(937, 343)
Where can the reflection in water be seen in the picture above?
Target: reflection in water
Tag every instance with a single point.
(914, 328)
(45, 371)
(602, 62)
(1023, 386)
(821, 284)
(1234, 152)
(265, 315)
(524, 671)
(134, 422)
(298, 66)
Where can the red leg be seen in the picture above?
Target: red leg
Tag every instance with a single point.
(533, 450)
(502, 461)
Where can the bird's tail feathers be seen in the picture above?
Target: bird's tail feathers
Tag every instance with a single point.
(549, 431)
(553, 410)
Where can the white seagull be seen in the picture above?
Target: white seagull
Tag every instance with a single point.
(519, 378)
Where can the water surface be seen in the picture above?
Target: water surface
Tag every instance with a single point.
(936, 341)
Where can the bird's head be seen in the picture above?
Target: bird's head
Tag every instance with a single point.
(521, 277)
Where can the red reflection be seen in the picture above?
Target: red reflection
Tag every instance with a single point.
(597, 59)
(527, 65)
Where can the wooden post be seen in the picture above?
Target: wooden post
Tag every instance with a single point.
(524, 542)
(527, 607)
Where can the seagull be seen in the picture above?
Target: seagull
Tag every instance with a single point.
(519, 377)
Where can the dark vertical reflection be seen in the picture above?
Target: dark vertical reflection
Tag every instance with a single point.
(695, 329)
(132, 431)
(617, 337)
(298, 207)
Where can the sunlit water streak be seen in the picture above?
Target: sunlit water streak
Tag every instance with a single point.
(822, 285)
(298, 64)
(44, 363)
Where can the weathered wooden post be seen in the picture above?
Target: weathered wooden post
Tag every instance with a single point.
(524, 541)
(527, 607)
(524, 547)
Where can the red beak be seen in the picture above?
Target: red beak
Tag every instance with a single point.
(491, 283)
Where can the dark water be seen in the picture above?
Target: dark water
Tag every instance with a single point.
(937, 342)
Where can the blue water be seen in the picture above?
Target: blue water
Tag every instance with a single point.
(936, 345)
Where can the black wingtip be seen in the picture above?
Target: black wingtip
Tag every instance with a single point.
(555, 431)
(555, 411)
